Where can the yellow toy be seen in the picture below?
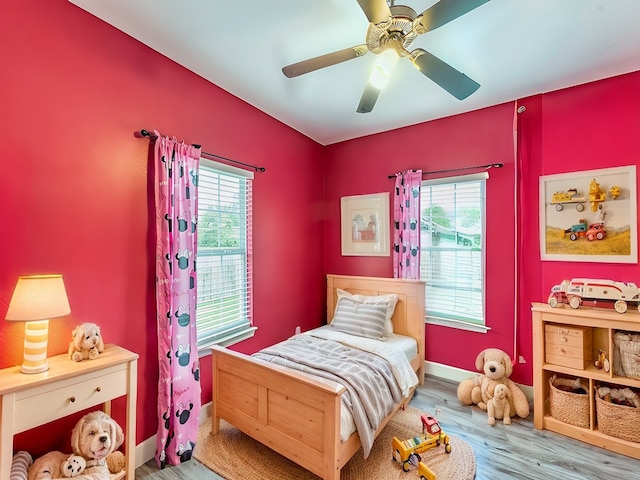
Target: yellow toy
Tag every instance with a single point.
(425, 472)
(559, 199)
(595, 195)
(408, 451)
(614, 192)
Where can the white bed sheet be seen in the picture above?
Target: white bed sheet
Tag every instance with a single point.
(397, 349)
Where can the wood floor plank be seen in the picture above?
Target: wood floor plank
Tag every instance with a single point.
(513, 452)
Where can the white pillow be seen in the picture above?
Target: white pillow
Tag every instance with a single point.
(388, 300)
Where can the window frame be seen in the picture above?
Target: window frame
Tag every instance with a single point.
(241, 329)
(449, 320)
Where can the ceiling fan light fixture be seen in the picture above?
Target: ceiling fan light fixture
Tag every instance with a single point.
(382, 68)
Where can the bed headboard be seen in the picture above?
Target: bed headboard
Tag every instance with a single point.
(408, 318)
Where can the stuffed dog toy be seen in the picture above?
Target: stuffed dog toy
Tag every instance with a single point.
(498, 406)
(94, 438)
(496, 367)
(86, 342)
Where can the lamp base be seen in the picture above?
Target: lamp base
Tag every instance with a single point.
(36, 334)
(31, 370)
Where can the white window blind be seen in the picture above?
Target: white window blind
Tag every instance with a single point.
(223, 266)
(452, 248)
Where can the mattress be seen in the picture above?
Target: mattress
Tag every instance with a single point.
(398, 349)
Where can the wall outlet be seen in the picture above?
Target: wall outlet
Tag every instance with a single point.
(298, 330)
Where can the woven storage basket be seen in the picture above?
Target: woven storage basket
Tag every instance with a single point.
(568, 407)
(618, 420)
(627, 346)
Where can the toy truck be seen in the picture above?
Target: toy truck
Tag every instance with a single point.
(408, 451)
(425, 472)
(571, 196)
(593, 231)
(577, 290)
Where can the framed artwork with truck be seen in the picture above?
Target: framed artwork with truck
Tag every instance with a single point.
(589, 216)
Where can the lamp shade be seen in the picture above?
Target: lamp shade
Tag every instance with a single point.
(35, 300)
(38, 297)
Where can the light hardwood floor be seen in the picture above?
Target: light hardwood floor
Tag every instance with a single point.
(517, 451)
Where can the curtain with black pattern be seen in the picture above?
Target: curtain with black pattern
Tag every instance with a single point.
(176, 202)
(406, 220)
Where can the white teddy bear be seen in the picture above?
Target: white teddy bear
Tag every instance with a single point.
(74, 466)
(86, 342)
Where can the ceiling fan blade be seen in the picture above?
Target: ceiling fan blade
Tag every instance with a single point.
(453, 81)
(446, 10)
(316, 63)
(376, 10)
(368, 99)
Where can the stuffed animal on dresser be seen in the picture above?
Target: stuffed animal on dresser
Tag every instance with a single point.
(86, 342)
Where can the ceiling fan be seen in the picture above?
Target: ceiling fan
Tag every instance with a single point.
(392, 29)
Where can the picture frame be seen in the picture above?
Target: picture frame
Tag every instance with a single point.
(365, 225)
(589, 216)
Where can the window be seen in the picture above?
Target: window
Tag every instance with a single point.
(224, 314)
(452, 250)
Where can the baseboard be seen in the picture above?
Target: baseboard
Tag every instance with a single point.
(146, 450)
(455, 374)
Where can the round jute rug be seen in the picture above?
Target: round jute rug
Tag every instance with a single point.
(236, 456)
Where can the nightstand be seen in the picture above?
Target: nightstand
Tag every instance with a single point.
(27, 401)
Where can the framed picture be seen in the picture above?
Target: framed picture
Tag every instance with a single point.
(589, 216)
(365, 225)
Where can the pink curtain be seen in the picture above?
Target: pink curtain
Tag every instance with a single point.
(406, 220)
(176, 180)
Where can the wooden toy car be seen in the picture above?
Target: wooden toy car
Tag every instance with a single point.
(408, 451)
(425, 472)
(570, 196)
(593, 231)
(603, 291)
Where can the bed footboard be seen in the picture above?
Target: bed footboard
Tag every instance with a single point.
(294, 414)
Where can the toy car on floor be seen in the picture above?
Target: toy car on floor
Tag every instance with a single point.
(425, 472)
(408, 451)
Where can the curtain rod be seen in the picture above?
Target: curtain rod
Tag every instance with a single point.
(152, 137)
(486, 167)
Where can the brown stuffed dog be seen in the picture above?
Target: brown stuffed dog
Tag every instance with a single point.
(95, 437)
(86, 342)
(497, 367)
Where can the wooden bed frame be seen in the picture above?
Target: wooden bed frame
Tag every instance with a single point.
(296, 414)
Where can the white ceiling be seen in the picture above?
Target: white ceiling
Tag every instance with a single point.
(512, 48)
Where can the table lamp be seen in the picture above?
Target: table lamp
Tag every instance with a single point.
(35, 300)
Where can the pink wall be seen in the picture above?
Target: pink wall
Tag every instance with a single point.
(75, 196)
(587, 127)
(76, 201)
(477, 138)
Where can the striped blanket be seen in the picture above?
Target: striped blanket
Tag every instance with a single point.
(371, 388)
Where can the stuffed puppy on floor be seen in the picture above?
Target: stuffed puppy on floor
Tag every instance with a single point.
(496, 367)
(498, 407)
(95, 437)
